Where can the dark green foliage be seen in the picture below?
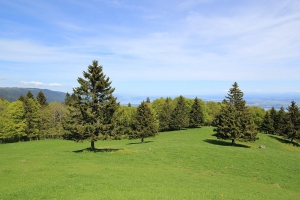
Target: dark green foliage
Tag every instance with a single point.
(148, 100)
(32, 116)
(69, 99)
(129, 104)
(145, 124)
(29, 95)
(292, 122)
(180, 118)
(21, 98)
(165, 115)
(41, 99)
(273, 116)
(281, 118)
(235, 122)
(90, 116)
(196, 114)
(267, 124)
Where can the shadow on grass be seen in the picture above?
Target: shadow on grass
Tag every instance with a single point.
(96, 150)
(224, 143)
(285, 141)
(139, 142)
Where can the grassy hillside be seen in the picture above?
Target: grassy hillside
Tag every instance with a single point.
(12, 94)
(188, 164)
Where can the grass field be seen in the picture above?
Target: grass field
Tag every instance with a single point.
(189, 164)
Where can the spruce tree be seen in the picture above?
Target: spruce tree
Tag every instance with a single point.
(29, 95)
(165, 115)
(292, 129)
(145, 123)
(196, 114)
(273, 116)
(41, 99)
(179, 117)
(92, 108)
(281, 116)
(267, 124)
(235, 122)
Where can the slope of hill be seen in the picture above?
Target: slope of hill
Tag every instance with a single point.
(12, 94)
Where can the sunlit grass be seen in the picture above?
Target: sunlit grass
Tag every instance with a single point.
(188, 164)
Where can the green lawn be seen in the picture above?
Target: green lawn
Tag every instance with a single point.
(189, 164)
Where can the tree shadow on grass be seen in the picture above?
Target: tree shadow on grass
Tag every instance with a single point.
(285, 141)
(139, 142)
(96, 150)
(224, 143)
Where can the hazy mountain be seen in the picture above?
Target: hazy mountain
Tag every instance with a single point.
(12, 94)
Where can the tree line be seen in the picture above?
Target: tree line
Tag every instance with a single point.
(92, 113)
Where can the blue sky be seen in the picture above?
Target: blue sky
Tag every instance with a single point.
(149, 47)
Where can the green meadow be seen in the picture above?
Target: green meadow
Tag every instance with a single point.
(186, 164)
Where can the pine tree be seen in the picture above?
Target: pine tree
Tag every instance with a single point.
(292, 129)
(41, 99)
(179, 117)
(129, 104)
(273, 116)
(165, 115)
(235, 122)
(145, 123)
(281, 116)
(29, 95)
(267, 125)
(92, 108)
(32, 117)
(148, 100)
(196, 114)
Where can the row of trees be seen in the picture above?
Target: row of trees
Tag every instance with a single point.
(92, 113)
(286, 124)
(29, 118)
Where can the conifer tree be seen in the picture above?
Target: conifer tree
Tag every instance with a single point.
(292, 128)
(41, 99)
(145, 123)
(148, 100)
(235, 122)
(196, 114)
(29, 95)
(273, 116)
(165, 115)
(32, 117)
(179, 115)
(92, 108)
(281, 116)
(267, 125)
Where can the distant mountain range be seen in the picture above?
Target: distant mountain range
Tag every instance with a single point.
(13, 93)
(263, 100)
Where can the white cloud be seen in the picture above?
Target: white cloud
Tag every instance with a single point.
(36, 83)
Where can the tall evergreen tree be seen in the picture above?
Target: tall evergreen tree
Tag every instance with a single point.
(32, 117)
(164, 116)
(281, 117)
(145, 123)
(292, 128)
(92, 108)
(29, 95)
(273, 116)
(235, 122)
(180, 118)
(148, 100)
(41, 99)
(267, 124)
(196, 114)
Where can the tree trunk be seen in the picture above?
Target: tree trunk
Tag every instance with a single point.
(142, 141)
(92, 144)
(232, 142)
(292, 140)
